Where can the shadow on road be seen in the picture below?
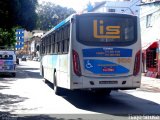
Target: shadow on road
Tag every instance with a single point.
(28, 73)
(118, 103)
(4, 87)
(8, 116)
(8, 102)
(6, 81)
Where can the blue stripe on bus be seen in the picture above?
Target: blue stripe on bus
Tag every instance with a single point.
(104, 67)
(58, 25)
(61, 23)
(107, 52)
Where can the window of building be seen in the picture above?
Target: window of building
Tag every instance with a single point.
(149, 21)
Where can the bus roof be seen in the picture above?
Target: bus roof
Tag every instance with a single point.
(58, 25)
(68, 19)
(10, 52)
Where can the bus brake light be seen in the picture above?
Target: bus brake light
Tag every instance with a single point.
(137, 64)
(76, 63)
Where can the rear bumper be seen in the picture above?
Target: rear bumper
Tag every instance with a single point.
(128, 82)
(8, 71)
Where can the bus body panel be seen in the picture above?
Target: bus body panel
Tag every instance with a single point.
(63, 77)
(92, 65)
(111, 70)
(7, 61)
(86, 82)
(87, 76)
(50, 62)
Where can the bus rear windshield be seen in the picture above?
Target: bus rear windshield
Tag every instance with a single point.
(107, 30)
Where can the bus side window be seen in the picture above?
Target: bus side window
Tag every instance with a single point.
(68, 38)
(45, 46)
(59, 47)
(65, 40)
(56, 42)
(52, 44)
(49, 45)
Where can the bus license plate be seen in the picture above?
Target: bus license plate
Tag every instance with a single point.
(108, 69)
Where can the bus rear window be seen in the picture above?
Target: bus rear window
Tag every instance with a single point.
(6, 57)
(107, 30)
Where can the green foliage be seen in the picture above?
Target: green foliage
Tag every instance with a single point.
(18, 13)
(50, 14)
(7, 37)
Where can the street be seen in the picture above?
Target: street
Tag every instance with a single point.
(28, 93)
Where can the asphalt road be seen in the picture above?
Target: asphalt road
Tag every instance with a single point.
(27, 94)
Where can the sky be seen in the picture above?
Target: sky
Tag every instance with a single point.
(77, 5)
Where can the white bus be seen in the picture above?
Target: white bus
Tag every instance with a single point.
(7, 62)
(94, 51)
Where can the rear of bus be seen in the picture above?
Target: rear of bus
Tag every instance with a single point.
(8, 62)
(106, 51)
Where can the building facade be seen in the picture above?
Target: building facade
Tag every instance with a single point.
(126, 7)
(149, 20)
(34, 44)
(20, 39)
(150, 35)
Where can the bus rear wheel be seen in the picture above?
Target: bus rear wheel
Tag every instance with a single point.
(57, 89)
(42, 71)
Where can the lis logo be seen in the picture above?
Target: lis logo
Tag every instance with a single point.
(101, 31)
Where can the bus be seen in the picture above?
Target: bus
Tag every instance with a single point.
(7, 62)
(99, 52)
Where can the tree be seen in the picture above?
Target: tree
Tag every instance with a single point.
(18, 13)
(7, 37)
(50, 14)
(15, 13)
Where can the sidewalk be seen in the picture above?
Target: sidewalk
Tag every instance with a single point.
(150, 84)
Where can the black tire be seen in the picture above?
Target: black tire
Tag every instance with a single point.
(42, 72)
(57, 89)
(45, 80)
(14, 74)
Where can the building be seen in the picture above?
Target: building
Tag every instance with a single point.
(150, 35)
(20, 39)
(149, 20)
(30, 42)
(117, 6)
(21, 46)
(35, 43)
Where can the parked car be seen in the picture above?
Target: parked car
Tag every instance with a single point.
(17, 60)
(24, 58)
(28, 58)
(36, 59)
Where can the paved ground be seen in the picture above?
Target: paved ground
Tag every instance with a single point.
(150, 84)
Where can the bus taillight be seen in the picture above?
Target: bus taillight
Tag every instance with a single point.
(76, 63)
(137, 63)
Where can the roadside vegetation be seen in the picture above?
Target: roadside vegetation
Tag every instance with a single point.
(29, 15)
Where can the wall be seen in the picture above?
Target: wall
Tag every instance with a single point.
(150, 27)
(127, 7)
